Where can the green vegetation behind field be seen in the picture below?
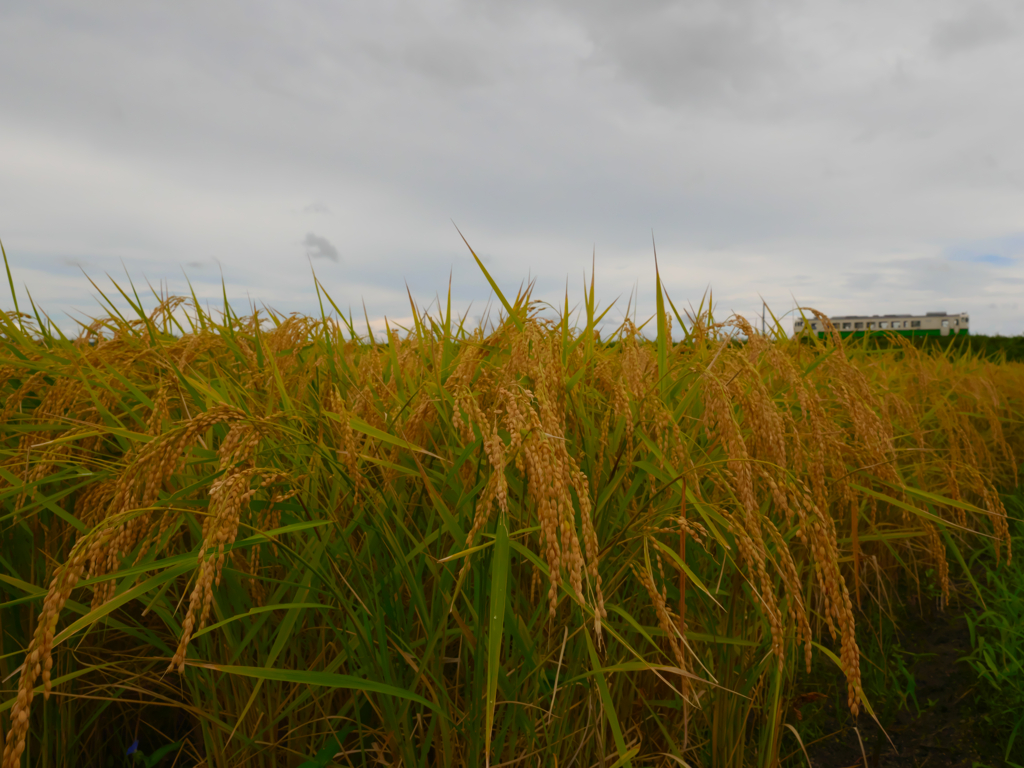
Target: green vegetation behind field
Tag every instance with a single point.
(998, 348)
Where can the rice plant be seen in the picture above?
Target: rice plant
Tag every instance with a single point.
(997, 641)
(277, 541)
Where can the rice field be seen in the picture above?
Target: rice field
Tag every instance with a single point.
(253, 539)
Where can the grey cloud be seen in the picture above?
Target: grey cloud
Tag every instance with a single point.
(694, 49)
(949, 281)
(862, 282)
(902, 283)
(449, 61)
(319, 247)
(979, 26)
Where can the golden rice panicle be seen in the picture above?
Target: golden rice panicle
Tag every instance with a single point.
(997, 512)
(229, 495)
(538, 456)
(827, 575)
(120, 525)
(602, 443)
(32, 384)
(137, 489)
(835, 597)
(495, 488)
(720, 424)
(271, 515)
(568, 477)
(830, 329)
(482, 515)
(516, 402)
(609, 381)
(57, 400)
(899, 410)
(535, 583)
(346, 441)
(638, 362)
(582, 487)
(7, 372)
(872, 436)
(417, 427)
(816, 440)
(494, 447)
(766, 425)
(92, 502)
(752, 554)
(535, 421)
(467, 363)
(465, 401)
(757, 345)
(796, 609)
(39, 656)
(161, 412)
(665, 621)
(850, 654)
(993, 374)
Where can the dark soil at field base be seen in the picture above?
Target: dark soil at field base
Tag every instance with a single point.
(952, 728)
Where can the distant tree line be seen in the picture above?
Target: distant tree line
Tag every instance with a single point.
(1008, 348)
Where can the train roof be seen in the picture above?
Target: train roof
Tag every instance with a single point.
(907, 314)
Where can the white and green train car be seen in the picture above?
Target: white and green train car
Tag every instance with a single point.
(931, 324)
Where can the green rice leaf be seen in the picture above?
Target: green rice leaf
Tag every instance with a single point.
(608, 703)
(495, 632)
(321, 679)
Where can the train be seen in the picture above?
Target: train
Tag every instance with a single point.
(857, 326)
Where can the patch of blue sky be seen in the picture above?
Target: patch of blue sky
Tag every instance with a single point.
(997, 252)
(995, 259)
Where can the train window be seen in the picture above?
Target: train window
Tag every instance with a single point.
(858, 325)
(883, 324)
(945, 323)
(871, 325)
(846, 326)
(915, 323)
(956, 322)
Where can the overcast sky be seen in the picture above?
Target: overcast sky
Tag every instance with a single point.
(858, 157)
